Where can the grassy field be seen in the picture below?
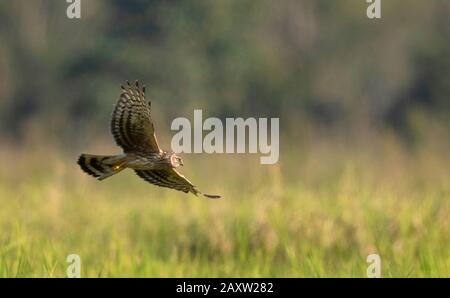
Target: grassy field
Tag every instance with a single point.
(318, 213)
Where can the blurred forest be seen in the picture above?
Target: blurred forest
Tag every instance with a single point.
(314, 64)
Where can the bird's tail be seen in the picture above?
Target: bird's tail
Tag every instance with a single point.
(100, 166)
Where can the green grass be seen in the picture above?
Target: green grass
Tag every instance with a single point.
(317, 213)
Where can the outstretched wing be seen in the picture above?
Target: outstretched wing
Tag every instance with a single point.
(131, 123)
(171, 178)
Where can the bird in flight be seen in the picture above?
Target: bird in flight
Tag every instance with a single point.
(133, 130)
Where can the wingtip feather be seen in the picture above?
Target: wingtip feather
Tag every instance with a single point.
(212, 196)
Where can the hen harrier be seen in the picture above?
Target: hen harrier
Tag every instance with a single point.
(132, 128)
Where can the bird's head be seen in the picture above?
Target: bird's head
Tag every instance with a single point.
(176, 161)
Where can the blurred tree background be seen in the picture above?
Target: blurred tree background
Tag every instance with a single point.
(315, 64)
